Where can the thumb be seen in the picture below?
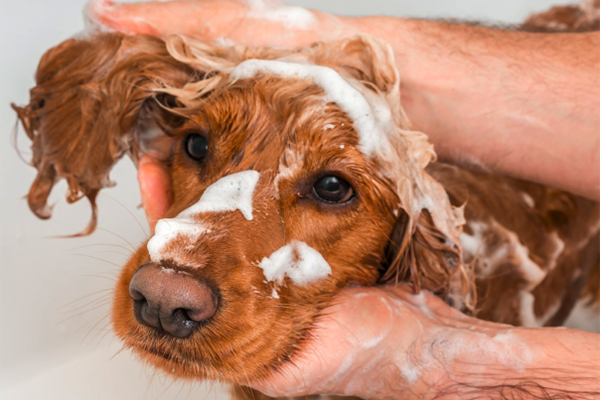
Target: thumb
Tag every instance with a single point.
(155, 188)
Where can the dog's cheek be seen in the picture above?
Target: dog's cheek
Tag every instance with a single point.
(356, 259)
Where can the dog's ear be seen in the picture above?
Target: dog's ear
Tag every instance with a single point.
(420, 254)
(86, 109)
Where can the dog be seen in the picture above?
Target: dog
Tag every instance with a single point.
(582, 17)
(295, 174)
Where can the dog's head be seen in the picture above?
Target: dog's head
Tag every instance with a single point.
(295, 173)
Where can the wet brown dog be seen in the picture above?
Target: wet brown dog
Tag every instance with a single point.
(226, 291)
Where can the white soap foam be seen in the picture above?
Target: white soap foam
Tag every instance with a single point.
(230, 193)
(292, 17)
(490, 257)
(296, 260)
(532, 272)
(559, 247)
(444, 345)
(473, 244)
(528, 199)
(169, 229)
(337, 90)
(527, 313)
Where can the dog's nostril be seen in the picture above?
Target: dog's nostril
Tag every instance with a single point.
(182, 317)
(135, 295)
(169, 301)
(183, 313)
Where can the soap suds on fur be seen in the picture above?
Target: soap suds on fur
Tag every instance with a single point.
(528, 199)
(167, 230)
(337, 90)
(296, 260)
(527, 313)
(491, 245)
(230, 193)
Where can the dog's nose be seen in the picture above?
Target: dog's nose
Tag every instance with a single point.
(170, 300)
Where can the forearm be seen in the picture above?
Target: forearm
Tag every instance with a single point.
(539, 363)
(522, 104)
(464, 358)
(386, 343)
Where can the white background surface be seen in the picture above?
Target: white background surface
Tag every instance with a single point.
(42, 358)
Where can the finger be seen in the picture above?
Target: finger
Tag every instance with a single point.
(129, 18)
(203, 19)
(211, 20)
(155, 188)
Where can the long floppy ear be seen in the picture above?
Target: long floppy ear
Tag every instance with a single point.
(427, 260)
(91, 96)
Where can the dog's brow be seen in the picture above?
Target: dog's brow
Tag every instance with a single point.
(370, 118)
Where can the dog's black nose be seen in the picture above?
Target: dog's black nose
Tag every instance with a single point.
(170, 300)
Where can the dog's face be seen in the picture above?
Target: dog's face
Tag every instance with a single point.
(289, 184)
(312, 189)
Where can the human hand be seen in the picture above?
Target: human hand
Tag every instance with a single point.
(155, 189)
(251, 23)
(370, 343)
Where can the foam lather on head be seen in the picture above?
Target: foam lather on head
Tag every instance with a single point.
(337, 90)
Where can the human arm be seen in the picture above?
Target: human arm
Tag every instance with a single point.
(386, 343)
(520, 104)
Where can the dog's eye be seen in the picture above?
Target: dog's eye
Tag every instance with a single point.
(196, 146)
(333, 189)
